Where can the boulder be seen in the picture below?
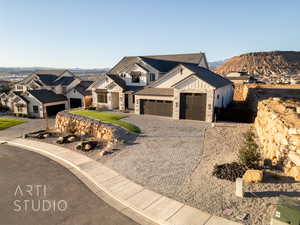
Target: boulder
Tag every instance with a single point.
(71, 138)
(295, 173)
(253, 176)
(87, 147)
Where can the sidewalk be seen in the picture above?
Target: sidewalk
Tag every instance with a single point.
(142, 205)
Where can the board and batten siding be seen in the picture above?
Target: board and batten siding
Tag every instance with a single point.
(194, 85)
(223, 96)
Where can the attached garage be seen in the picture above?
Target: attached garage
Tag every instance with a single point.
(193, 106)
(75, 103)
(156, 107)
(54, 109)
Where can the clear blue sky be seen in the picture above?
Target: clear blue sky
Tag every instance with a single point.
(95, 34)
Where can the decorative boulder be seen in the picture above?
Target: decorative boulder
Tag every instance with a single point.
(71, 138)
(253, 176)
(87, 147)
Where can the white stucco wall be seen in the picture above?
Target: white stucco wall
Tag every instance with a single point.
(223, 96)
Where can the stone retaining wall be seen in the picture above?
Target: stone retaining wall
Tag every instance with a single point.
(278, 128)
(80, 125)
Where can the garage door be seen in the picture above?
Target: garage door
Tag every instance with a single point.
(54, 109)
(157, 107)
(192, 106)
(75, 102)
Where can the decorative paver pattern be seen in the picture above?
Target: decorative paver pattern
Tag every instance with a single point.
(164, 155)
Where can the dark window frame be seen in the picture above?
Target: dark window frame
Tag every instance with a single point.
(152, 76)
(102, 97)
(35, 109)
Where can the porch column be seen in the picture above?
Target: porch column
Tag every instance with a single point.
(121, 101)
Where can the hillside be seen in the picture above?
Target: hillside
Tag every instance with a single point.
(263, 63)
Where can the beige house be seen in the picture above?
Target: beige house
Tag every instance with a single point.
(177, 86)
(46, 92)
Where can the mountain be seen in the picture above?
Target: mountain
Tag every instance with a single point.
(275, 63)
(215, 64)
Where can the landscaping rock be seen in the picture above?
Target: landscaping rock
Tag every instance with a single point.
(253, 176)
(87, 147)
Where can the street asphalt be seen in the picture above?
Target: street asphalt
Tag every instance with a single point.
(36, 190)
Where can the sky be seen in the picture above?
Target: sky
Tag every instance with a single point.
(98, 33)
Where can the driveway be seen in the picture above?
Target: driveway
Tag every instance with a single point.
(71, 202)
(164, 156)
(30, 126)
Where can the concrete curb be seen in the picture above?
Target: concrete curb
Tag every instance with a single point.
(142, 205)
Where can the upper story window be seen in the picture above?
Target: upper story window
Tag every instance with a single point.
(19, 87)
(152, 76)
(135, 76)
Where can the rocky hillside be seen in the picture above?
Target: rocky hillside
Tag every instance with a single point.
(263, 63)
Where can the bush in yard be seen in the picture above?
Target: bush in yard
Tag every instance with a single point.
(249, 154)
(229, 171)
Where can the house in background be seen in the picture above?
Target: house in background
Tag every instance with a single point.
(240, 78)
(179, 86)
(46, 92)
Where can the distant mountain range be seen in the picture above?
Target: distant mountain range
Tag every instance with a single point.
(215, 64)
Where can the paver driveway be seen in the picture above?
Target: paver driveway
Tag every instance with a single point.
(164, 155)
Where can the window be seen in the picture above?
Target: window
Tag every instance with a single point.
(19, 87)
(102, 97)
(135, 79)
(20, 108)
(135, 76)
(152, 76)
(35, 109)
(133, 99)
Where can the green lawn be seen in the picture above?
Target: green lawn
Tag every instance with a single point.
(108, 117)
(6, 123)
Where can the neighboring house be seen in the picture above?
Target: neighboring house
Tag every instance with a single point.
(178, 86)
(45, 93)
(240, 77)
(80, 96)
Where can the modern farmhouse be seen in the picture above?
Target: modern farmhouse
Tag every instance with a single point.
(46, 92)
(179, 86)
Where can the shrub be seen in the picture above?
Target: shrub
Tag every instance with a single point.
(249, 154)
(229, 171)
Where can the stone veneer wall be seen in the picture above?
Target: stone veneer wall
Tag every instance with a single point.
(80, 125)
(278, 128)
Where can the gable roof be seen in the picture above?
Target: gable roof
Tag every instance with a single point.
(47, 79)
(64, 81)
(19, 94)
(83, 86)
(162, 63)
(118, 80)
(208, 76)
(47, 96)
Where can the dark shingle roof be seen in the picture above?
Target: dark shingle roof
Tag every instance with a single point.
(19, 94)
(63, 81)
(156, 92)
(118, 80)
(47, 79)
(163, 63)
(82, 86)
(47, 96)
(208, 76)
(132, 89)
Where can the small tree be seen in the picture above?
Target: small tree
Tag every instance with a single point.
(249, 154)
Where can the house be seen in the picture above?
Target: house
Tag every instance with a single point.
(240, 78)
(80, 96)
(46, 92)
(179, 86)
